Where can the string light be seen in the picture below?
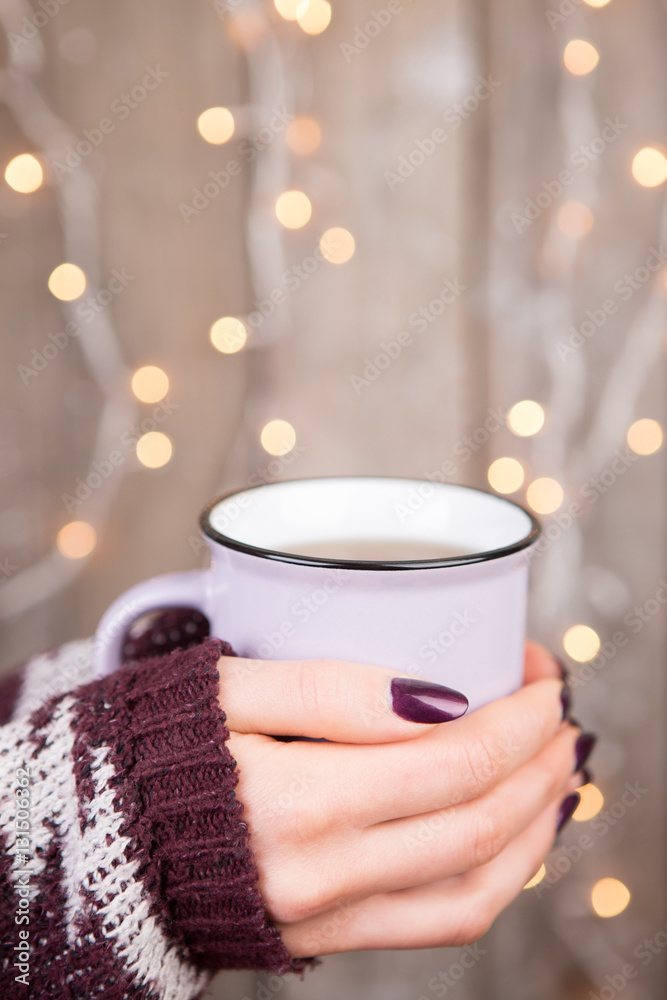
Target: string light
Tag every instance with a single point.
(303, 135)
(526, 418)
(609, 897)
(228, 334)
(150, 384)
(545, 495)
(76, 540)
(24, 173)
(337, 245)
(580, 57)
(278, 437)
(293, 209)
(216, 125)
(506, 475)
(154, 449)
(287, 8)
(77, 210)
(649, 167)
(537, 877)
(67, 282)
(592, 801)
(645, 436)
(574, 219)
(313, 16)
(581, 643)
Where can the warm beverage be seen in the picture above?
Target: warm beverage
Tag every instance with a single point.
(453, 579)
(377, 549)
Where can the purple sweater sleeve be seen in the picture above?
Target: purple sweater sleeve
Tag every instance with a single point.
(125, 865)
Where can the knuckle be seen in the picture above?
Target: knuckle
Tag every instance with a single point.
(286, 911)
(290, 900)
(309, 686)
(472, 925)
(488, 836)
(297, 816)
(305, 825)
(481, 764)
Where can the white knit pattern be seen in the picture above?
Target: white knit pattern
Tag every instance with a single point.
(121, 900)
(50, 790)
(51, 674)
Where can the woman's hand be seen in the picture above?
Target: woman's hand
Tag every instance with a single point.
(399, 834)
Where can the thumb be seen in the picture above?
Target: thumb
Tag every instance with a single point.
(332, 699)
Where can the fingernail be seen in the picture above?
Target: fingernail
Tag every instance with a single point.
(564, 671)
(583, 748)
(567, 807)
(424, 701)
(566, 700)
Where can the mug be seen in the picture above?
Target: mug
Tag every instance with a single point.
(442, 594)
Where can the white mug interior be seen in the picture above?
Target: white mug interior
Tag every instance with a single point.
(275, 518)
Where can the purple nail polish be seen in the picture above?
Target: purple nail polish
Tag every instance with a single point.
(583, 748)
(424, 701)
(567, 807)
(566, 700)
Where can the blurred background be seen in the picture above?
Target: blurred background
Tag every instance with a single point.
(246, 241)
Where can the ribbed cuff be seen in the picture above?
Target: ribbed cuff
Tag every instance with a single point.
(175, 784)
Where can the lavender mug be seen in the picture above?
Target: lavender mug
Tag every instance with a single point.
(425, 578)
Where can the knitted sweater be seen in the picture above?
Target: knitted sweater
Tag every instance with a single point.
(125, 866)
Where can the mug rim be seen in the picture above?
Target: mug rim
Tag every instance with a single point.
(366, 564)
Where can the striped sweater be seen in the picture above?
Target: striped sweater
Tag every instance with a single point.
(125, 865)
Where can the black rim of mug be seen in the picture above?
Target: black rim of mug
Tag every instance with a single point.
(365, 564)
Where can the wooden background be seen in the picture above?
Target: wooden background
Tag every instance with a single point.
(496, 344)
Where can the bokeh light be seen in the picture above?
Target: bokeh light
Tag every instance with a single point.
(537, 877)
(544, 495)
(293, 209)
(278, 437)
(337, 245)
(24, 173)
(574, 219)
(303, 135)
(506, 475)
(287, 8)
(76, 539)
(228, 334)
(313, 16)
(580, 57)
(609, 897)
(592, 801)
(216, 125)
(581, 643)
(645, 436)
(525, 418)
(150, 384)
(154, 449)
(67, 282)
(649, 167)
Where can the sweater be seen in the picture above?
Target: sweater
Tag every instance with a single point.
(125, 865)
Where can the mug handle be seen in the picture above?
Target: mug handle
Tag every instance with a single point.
(172, 590)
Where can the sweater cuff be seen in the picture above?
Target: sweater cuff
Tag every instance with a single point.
(174, 782)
